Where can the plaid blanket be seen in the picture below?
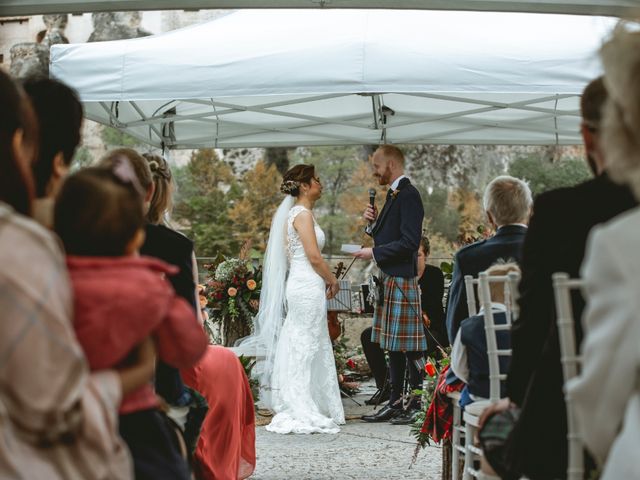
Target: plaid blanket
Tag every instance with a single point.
(397, 325)
(439, 419)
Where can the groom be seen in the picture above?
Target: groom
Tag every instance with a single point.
(397, 323)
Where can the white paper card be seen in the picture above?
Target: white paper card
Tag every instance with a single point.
(350, 248)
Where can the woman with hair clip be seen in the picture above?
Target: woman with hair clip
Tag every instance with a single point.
(58, 420)
(225, 448)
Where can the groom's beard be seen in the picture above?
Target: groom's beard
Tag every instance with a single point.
(385, 178)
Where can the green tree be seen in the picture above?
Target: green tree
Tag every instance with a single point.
(335, 167)
(544, 175)
(440, 216)
(251, 214)
(206, 186)
(113, 138)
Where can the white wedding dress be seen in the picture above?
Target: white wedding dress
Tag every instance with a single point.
(304, 383)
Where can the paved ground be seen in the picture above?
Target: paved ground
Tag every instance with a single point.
(361, 451)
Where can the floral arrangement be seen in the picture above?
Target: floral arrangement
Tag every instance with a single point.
(432, 369)
(233, 295)
(346, 366)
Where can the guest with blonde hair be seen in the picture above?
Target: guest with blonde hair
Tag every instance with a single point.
(225, 448)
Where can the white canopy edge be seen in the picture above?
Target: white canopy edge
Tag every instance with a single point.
(276, 78)
(576, 7)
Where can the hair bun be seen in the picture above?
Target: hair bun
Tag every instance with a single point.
(289, 186)
(154, 166)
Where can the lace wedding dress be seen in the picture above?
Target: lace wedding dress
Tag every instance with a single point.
(304, 383)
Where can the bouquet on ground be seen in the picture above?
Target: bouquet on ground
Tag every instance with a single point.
(233, 294)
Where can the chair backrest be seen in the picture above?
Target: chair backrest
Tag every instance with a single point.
(490, 328)
(562, 286)
(470, 287)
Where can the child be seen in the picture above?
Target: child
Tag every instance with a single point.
(121, 299)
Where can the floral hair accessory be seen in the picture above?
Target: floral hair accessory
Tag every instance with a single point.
(289, 186)
(124, 172)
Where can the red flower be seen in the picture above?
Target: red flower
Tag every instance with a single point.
(430, 369)
(351, 364)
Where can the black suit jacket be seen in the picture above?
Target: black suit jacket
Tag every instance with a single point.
(555, 242)
(397, 232)
(172, 247)
(475, 258)
(432, 291)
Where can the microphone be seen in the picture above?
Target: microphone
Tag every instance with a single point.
(372, 196)
(372, 202)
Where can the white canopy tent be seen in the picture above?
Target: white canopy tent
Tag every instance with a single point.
(578, 7)
(332, 77)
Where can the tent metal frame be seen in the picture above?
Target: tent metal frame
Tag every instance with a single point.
(163, 121)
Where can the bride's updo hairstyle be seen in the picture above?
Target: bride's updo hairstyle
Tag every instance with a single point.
(621, 115)
(296, 176)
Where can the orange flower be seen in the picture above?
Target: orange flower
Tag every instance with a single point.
(251, 284)
(232, 292)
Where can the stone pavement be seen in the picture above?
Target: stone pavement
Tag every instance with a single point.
(361, 451)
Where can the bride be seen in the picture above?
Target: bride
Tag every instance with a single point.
(298, 379)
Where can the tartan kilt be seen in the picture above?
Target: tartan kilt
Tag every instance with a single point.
(397, 325)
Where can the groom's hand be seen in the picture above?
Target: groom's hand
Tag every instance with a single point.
(370, 214)
(364, 253)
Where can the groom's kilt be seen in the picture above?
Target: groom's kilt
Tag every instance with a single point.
(397, 324)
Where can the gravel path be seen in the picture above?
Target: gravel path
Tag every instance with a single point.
(361, 451)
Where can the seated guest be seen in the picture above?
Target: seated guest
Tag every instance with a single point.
(507, 203)
(431, 281)
(58, 420)
(59, 113)
(121, 300)
(555, 242)
(607, 393)
(469, 358)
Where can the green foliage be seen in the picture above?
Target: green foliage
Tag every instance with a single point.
(335, 167)
(202, 203)
(441, 216)
(247, 364)
(544, 175)
(112, 137)
(81, 159)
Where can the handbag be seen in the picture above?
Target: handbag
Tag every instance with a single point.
(494, 438)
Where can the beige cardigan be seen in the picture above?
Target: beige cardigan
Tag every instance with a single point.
(57, 420)
(607, 393)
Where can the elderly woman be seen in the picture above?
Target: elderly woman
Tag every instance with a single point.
(607, 393)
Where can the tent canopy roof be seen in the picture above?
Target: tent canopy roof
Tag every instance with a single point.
(582, 7)
(331, 77)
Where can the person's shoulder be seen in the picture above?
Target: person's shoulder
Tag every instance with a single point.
(407, 189)
(566, 197)
(27, 233)
(433, 270)
(473, 321)
(623, 228)
(167, 236)
(470, 249)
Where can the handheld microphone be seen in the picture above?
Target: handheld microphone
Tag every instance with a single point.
(372, 202)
